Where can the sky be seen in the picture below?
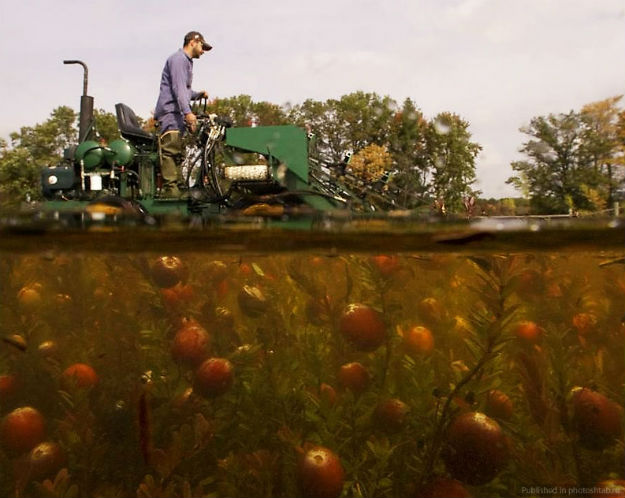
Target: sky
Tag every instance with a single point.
(495, 63)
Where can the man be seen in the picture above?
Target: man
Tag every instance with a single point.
(173, 108)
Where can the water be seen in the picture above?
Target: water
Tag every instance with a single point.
(311, 333)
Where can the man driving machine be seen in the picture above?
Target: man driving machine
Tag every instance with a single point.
(173, 109)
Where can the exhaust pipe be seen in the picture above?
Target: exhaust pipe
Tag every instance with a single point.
(85, 120)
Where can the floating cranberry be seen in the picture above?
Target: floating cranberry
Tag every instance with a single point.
(191, 344)
(79, 375)
(48, 349)
(597, 419)
(22, 429)
(45, 460)
(327, 394)
(9, 387)
(390, 414)
(476, 449)
(177, 295)
(217, 270)
(528, 332)
(354, 376)
(29, 298)
(444, 488)
(320, 473)
(167, 271)
(363, 327)
(418, 341)
(385, 265)
(214, 377)
(431, 310)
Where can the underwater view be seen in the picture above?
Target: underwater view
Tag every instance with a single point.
(342, 250)
(246, 363)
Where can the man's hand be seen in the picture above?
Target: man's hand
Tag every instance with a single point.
(191, 121)
(203, 94)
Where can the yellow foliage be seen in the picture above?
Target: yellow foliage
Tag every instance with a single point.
(596, 199)
(370, 163)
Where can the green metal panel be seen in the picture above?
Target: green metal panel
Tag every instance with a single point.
(317, 202)
(288, 144)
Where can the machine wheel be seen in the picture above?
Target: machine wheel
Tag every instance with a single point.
(191, 165)
(219, 186)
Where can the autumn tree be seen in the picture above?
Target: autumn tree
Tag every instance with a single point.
(370, 163)
(349, 123)
(600, 122)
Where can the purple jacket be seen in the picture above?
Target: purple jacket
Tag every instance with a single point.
(174, 99)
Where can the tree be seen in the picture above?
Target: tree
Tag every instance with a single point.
(420, 152)
(30, 150)
(350, 123)
(555, 170)
(451, 156)
(408, 148)
(601, 142)
(47, 140)
(370, 163)
(574, 160)
(238, 109)
(363, 118)
(619, 154)
(106, 125)
(268, 114)
(312, 115)
(243, 111)
(19, 176)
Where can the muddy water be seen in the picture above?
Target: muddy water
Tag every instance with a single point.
(373, 359)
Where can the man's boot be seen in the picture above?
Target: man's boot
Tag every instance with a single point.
(171, 157)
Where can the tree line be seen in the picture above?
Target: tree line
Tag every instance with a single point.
(425, 158)
(574, 160)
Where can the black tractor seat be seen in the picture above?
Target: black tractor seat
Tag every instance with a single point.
(129, 127)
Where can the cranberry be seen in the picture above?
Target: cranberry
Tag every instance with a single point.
(363, 327)
(320, 473)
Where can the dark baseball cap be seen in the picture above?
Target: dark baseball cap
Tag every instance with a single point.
(195, 35)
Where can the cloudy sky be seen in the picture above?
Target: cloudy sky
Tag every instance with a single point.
(496, 63)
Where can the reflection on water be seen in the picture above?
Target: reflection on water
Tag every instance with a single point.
(359, 358)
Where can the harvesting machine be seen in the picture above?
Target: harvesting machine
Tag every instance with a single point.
(267, 170)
